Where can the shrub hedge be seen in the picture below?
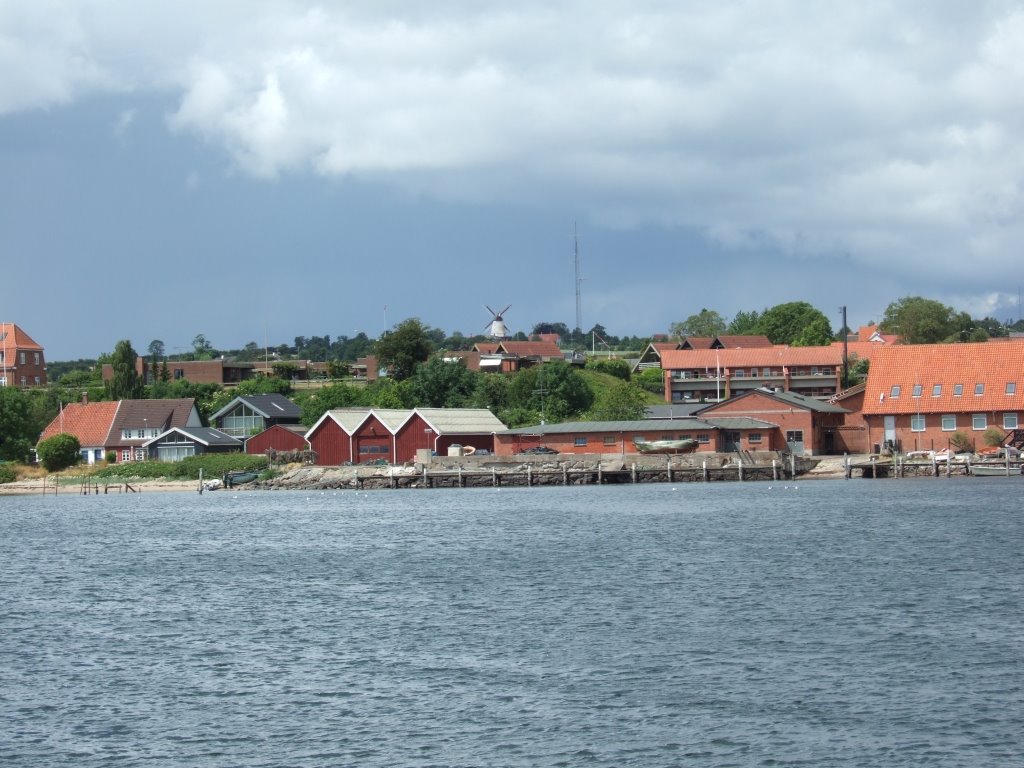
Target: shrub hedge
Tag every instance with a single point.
(7, 474)
(213, 466)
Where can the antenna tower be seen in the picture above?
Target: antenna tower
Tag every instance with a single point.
(579, 279)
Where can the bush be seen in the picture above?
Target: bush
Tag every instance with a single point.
(111, 457)
(617, 368)
(652, 380)
(59, 452)
(961, 442)
(7, 474)
(993, 437)
(213, 465)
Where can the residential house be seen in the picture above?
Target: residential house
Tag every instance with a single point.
(89, 422)
(652, 354)
(710, 375)
(179, 443)
(918, 395)
(22, 363)
(250, 414)
(121, 428)
(511, 356)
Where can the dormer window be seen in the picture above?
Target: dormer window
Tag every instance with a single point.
(917, 391)
(979, 388)
(1011, 388)
(936, 390)
(958, 389)
(895, 391)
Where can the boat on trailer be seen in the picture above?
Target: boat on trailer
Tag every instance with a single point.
(666, 446)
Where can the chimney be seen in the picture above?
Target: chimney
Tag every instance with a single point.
(85, 398)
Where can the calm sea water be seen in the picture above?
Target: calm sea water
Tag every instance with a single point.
(828, 623)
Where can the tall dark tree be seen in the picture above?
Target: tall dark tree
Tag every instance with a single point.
(705, 323)
(919, 321)
(125, 383)
(555, 390)
(785, 323)
(404, 348)
(745, 324)
(440, 384)
(18, 430)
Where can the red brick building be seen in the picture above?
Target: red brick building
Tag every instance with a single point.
(801, 425)
(918, 395)
(709, 375)
(22, 363)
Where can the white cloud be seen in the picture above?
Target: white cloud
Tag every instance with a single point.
(885, 134)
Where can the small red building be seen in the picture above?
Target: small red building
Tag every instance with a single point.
(803, 425)
(360, 435)
(278, 438)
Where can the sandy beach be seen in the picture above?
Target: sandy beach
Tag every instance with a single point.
(38, 486)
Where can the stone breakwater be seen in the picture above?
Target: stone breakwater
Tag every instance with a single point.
(533, 470)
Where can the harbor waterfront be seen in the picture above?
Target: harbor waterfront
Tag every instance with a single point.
(825, 623)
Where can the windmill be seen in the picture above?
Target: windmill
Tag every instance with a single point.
(497, 324)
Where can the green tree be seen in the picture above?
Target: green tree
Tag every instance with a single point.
(816, 333)
(745, 324)
(202, 349)
(918, 320)
(966, 328)
(553, 389)
(59, 452)
(316, 403)
(404, 348)
(440, 384)
(125, 383)
(492, 391)
(624, 401)
(705, 323)
(784, 323)
(18, 429)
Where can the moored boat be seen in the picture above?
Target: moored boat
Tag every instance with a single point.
(665, 446)
(995, 470)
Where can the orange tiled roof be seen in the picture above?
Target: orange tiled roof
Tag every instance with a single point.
(699, 342)
(744, 342)
(530, 349)
(14, 338)
(761, 357)
(862, 350)
(89, 422)
(992, 365)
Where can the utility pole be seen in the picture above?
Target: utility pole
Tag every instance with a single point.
(846, 347)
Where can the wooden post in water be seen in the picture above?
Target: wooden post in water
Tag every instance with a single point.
(874, 467)
(935, 466)
(775, 469)
(739, 469)
(600, 473)
(632, 473)
(669, 468)
(200, 481)
(704, 469)
(494, 477)
(529, 475)
(846, 465)
(565, 474)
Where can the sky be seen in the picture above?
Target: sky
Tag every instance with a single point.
(260, 170)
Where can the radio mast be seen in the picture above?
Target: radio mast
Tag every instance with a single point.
(579, 279)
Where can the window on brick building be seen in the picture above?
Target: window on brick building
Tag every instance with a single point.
(1010, 420)
(917, 423)
(979, 422)
(949, 422)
